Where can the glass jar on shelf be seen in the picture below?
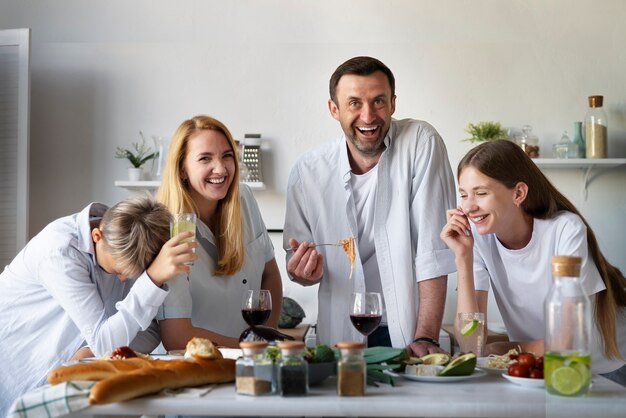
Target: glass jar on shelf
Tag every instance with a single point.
(565, 148)
(596, 129)
(528, 142)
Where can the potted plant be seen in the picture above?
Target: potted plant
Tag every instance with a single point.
(485, 131)
(137, 156)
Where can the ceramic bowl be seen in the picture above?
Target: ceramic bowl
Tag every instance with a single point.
(318, 372)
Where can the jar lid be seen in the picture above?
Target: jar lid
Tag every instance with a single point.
(563, 265)
(290, 345)
(595, 101)
(253, 344)
(351, 345)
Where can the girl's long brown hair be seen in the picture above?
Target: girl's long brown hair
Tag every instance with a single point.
(507, 163)
(175, 194)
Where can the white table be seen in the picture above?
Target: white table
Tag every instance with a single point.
(488, 396)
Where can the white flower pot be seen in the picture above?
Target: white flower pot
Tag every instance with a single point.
(135, 174)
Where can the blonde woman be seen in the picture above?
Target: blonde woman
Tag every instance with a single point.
(234, 254)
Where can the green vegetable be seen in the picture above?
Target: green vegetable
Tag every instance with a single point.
(323, 354)
(379, 359)
(273, 353)
(291, 313)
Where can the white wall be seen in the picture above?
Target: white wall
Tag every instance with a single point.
(102, 71)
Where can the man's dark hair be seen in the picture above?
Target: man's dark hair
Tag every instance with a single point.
(360, 66)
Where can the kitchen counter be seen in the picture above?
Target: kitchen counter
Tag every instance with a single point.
(487, 396)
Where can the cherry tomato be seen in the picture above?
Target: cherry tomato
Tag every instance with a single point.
(536, 373)
(526, 360)
(539, 362)
(518, 370)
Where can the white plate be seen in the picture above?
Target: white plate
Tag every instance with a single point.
(481, 363)
(524, 381)
(443, 379)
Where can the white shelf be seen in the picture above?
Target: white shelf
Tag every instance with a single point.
(579, 162)
(586, 164)
(154, 184)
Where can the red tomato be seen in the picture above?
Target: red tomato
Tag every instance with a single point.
(518, 370)
(539, 362)
(536, 374)
(526, 360)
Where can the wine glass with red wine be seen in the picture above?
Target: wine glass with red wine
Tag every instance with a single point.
(366, 311)
(257, 307)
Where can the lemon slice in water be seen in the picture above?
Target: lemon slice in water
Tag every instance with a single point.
(566, 380)
(469, 327)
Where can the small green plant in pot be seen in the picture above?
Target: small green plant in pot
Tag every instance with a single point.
(485, 131)
(137, 156)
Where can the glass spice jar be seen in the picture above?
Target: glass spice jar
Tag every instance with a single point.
(293, 378)
(351, 371)
(254, 370)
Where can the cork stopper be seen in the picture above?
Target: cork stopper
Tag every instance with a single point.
(290, 345)
(563, 265)
(350, 345)
(253, 344)
(595, 101)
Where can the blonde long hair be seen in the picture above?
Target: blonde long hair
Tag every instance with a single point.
(505, 162)
(175, 194)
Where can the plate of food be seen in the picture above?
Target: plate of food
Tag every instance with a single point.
(491, 365)
(524, 381)
(443, 379)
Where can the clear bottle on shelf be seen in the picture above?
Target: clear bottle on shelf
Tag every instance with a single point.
(565, 148)
(293, 369)
(351, 371)
(529, 142)
(596, 129)
(578, 140)
(255, 370)
(567, 358)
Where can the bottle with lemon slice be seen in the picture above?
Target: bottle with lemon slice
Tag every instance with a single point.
(567, 360)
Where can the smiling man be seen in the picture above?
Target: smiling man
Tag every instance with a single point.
(386, 183)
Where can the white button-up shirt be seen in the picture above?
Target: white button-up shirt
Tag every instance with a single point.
(415, 187)
(54, 298)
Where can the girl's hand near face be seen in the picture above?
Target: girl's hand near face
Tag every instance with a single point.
(457, 233)
(170, 260)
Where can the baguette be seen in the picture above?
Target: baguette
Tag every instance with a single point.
(171, 375)
(98, 369)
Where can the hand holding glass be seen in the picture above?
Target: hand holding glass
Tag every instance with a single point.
(183, 222)
(257, 307)
(366, 311)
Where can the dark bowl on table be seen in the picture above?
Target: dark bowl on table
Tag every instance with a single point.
(318, 372)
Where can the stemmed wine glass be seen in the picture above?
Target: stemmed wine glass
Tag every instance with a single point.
(366, 311)
(257, 307)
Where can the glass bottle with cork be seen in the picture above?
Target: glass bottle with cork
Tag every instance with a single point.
(567, 358)
(351, 371)
(293, 372)
(596, 129)
(578, 140)
(254, 370)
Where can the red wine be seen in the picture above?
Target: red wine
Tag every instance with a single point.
(365, 323)
(256, 316)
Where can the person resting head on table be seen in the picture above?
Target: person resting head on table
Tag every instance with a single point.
(509, 215)
(386, 184)
(235, 253)
(84, 285)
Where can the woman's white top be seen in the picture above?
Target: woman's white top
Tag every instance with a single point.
(214, 302)
(522, 278)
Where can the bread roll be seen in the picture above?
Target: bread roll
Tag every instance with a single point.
(202, 349)
(170, 375)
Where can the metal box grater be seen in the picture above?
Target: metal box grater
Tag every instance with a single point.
(251, 157)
